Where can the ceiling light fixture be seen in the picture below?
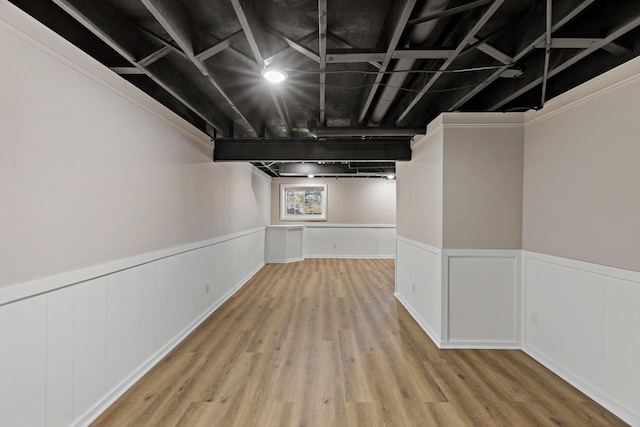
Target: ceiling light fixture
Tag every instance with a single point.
(391, 176)
(310, 175)
(274, 75)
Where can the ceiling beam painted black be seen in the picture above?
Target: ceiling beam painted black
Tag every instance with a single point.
(132, 44)
(301, 150)
(565, 12)
(464, 43)
(508, 93)
(176, 19)
(245, 11)
(392, 45)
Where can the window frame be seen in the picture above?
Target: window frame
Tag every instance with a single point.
(285, 216)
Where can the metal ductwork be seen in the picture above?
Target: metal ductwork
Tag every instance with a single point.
(361, 131)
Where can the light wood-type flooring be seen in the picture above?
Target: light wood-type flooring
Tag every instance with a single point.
(323, 342)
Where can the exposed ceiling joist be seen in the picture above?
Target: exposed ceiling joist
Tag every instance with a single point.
(94, 18)
(127, 70)
(467, 40)
(343, 44)
(392, 45)
(249, 24)
(176, 20)
(322, 44)
(288, 50)
(563, 17)
(219, 47)
(531, 83)
(448, 12)
(298, 47)
(153, 57)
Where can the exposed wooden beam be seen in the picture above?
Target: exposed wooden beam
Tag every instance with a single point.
(448, 12)
(103, 24)
(622, 30)
(345, 45)
(176, 20)
(468, 38)
(218, 47)
(158, 54)
(398, 29)
(288, 50)
(244, 15)
(322, 44)
(563, 18)
(127, 70)
(293, 44)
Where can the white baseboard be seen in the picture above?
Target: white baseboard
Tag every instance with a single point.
(588, 389)
(480, 345)
(93, 413)
(352, 256)
(425, 327)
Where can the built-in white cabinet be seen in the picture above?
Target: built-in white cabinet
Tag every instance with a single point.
(283, 243)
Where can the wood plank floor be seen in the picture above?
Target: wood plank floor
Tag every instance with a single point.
(323, 342)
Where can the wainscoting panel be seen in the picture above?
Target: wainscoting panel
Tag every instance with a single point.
(23, 362)
(582, 323)
(68, 353)
(483, 303)
(349, 241)
(59, 393)
(419, 284)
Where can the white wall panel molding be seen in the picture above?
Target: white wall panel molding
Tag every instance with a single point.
(603, 270)
(419, 285)
(349, 241)
(483, 298)
(462, 298)
(482, 119)
(582, 321)
(420, 245)
(48, 284)
(71, 352)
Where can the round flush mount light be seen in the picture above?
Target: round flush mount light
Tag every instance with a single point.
(274, 75)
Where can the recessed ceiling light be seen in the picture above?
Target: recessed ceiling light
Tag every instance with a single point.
(274, 75)
(391, 176)
(310, 175)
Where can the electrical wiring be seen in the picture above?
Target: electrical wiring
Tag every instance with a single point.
(460, 70)
(370, 85)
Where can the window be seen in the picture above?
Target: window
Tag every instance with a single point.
(303, 202)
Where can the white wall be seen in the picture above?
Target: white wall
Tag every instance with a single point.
(118, 234)
(68, 353)
(349, 241)
(575, 304)
(581, 219)
(92, 170)
(583, 322)
(349, 200)
(361, 217)
(459, 230)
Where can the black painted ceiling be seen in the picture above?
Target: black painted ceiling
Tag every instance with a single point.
(357, 70)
